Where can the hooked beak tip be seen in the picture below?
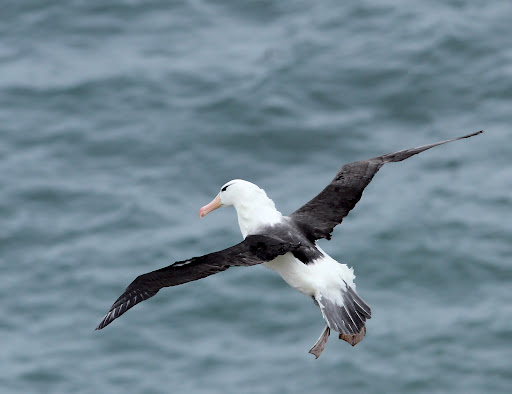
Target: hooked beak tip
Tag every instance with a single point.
(216, 203)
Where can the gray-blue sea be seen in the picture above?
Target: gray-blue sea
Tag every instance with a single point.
(119, 119)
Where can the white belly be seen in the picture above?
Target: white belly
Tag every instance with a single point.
(325, 275)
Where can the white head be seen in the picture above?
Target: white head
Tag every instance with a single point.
(252, 205)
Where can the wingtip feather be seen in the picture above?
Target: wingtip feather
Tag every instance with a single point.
(472, 134)
(127, 301)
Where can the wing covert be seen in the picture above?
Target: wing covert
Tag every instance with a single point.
(318, 217)
(255, 249)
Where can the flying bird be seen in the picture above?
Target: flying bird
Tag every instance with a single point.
(287, 245)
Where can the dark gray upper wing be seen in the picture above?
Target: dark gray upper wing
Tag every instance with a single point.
(319, 216)
(255, 249)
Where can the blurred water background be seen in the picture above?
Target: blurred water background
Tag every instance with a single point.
(120, 119)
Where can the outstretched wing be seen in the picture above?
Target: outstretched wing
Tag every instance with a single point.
(255, 249)
(319, 216)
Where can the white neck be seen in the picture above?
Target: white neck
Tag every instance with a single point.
(260, 212)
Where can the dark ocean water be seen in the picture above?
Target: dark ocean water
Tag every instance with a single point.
(120, 119)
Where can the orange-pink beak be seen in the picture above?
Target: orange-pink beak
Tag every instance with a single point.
(216, 203)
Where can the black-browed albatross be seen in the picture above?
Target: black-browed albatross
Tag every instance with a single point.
(286, 244)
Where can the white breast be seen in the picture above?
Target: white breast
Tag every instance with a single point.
(325, 275)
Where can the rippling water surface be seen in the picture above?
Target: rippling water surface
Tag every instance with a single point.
(119, 119)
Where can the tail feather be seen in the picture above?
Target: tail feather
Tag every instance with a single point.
(348, 319)
(361, 306)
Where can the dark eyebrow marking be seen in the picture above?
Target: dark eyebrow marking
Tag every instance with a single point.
(225, 187)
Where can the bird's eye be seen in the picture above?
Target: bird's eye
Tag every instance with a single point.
(224, 188)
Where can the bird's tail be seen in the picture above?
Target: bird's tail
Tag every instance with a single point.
(346, 315)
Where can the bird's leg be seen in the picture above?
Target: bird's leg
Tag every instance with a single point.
(319, 346)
